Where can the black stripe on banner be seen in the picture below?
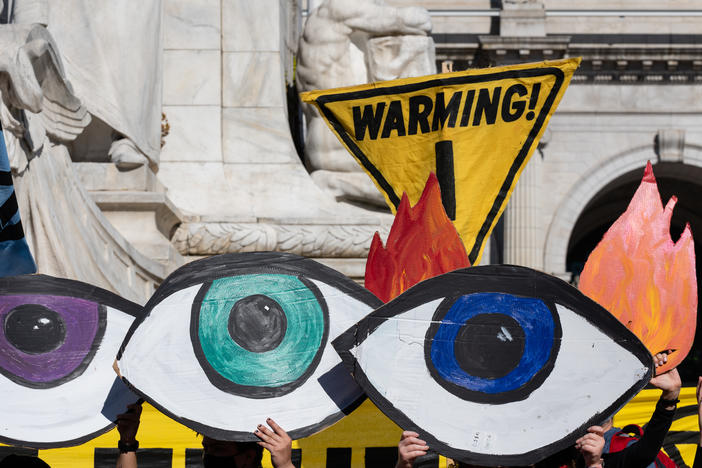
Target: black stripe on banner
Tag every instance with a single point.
(8, 209)
(5, 178)
(12, 232)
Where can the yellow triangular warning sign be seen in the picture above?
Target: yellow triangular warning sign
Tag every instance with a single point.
(475, 129)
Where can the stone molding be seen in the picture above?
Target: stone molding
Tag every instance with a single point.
(310, 240)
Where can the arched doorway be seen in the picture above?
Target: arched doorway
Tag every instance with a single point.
(611, 201)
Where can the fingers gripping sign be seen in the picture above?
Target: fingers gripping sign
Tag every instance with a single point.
(277, 442)
(669, 381)
(410, 448)
(591, 446)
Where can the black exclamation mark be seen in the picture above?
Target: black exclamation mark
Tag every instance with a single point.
(533, 100)
(447, 181)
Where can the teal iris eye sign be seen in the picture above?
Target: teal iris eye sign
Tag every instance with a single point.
(262, 333)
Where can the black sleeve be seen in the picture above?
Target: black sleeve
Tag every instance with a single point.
(698, 458)
(643, 452)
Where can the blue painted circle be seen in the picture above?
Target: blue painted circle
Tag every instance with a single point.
(532, 315)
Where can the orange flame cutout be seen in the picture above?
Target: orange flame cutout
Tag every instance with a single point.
(644, 278)
(422, 243)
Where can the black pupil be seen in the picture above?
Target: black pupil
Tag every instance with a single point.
(257, 323)
(489, 346)
(34, 329)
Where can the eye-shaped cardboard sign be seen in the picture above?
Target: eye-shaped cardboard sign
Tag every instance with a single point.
(58, 340)
(233, 339)
(495, 365)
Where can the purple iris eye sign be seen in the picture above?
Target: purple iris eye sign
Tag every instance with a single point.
(58, 340)
(47, 339)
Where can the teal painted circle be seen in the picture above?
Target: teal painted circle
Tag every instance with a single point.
(280, 366)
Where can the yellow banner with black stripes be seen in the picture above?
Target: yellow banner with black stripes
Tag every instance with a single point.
(475, 129)
(364, 439)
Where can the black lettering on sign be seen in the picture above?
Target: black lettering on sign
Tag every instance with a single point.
(394, 120)
(467, 107)
(513, 110)
(443, 111)
(487, 105)
(417, 116)
(533, 100)
(368, 120)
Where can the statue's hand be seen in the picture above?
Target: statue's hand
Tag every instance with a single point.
(20, 84)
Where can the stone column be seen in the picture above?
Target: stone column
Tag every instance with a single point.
(523, 229)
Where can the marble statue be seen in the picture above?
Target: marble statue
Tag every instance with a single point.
(118, 76)
(41, 115)
(348, 42)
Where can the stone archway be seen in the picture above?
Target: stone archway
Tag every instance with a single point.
(584, 190)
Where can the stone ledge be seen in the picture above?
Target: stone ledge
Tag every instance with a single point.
(105, 176)
(168, 216)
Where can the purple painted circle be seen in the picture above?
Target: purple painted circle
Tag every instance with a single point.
(82, 321)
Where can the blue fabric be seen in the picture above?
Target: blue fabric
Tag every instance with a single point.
(15, 257)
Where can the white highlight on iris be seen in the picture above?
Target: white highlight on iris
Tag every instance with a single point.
(504, 335)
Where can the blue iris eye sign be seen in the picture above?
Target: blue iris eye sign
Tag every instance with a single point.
(492, 346)
(459, 359)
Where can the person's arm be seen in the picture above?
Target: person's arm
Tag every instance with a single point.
(127, 426)
(644, 452)
(591, 446)
(409, 448)
(277, 442)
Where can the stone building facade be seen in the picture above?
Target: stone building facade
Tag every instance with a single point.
(230, 176)
(636, 97)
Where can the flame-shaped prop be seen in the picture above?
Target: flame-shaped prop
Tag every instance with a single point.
(422, 243)
(644, 278)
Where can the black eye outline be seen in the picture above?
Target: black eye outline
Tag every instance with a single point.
(501, 279)
(37, 284)
(204, 272)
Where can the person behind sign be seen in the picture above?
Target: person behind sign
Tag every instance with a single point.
(216, 453)
(643, 452)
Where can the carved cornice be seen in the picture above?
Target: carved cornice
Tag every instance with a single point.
(310, 240)
(607, 58)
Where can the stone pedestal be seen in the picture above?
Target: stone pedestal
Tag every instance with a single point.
(136, 204)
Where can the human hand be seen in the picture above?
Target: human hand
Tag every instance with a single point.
(128, 423)
(669, 382)
(591, 446)
(409, 448)
(277, 442)
(699, 406)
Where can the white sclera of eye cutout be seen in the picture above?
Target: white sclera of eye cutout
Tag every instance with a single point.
(590, 369)
(147, 362)
(75, 409)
